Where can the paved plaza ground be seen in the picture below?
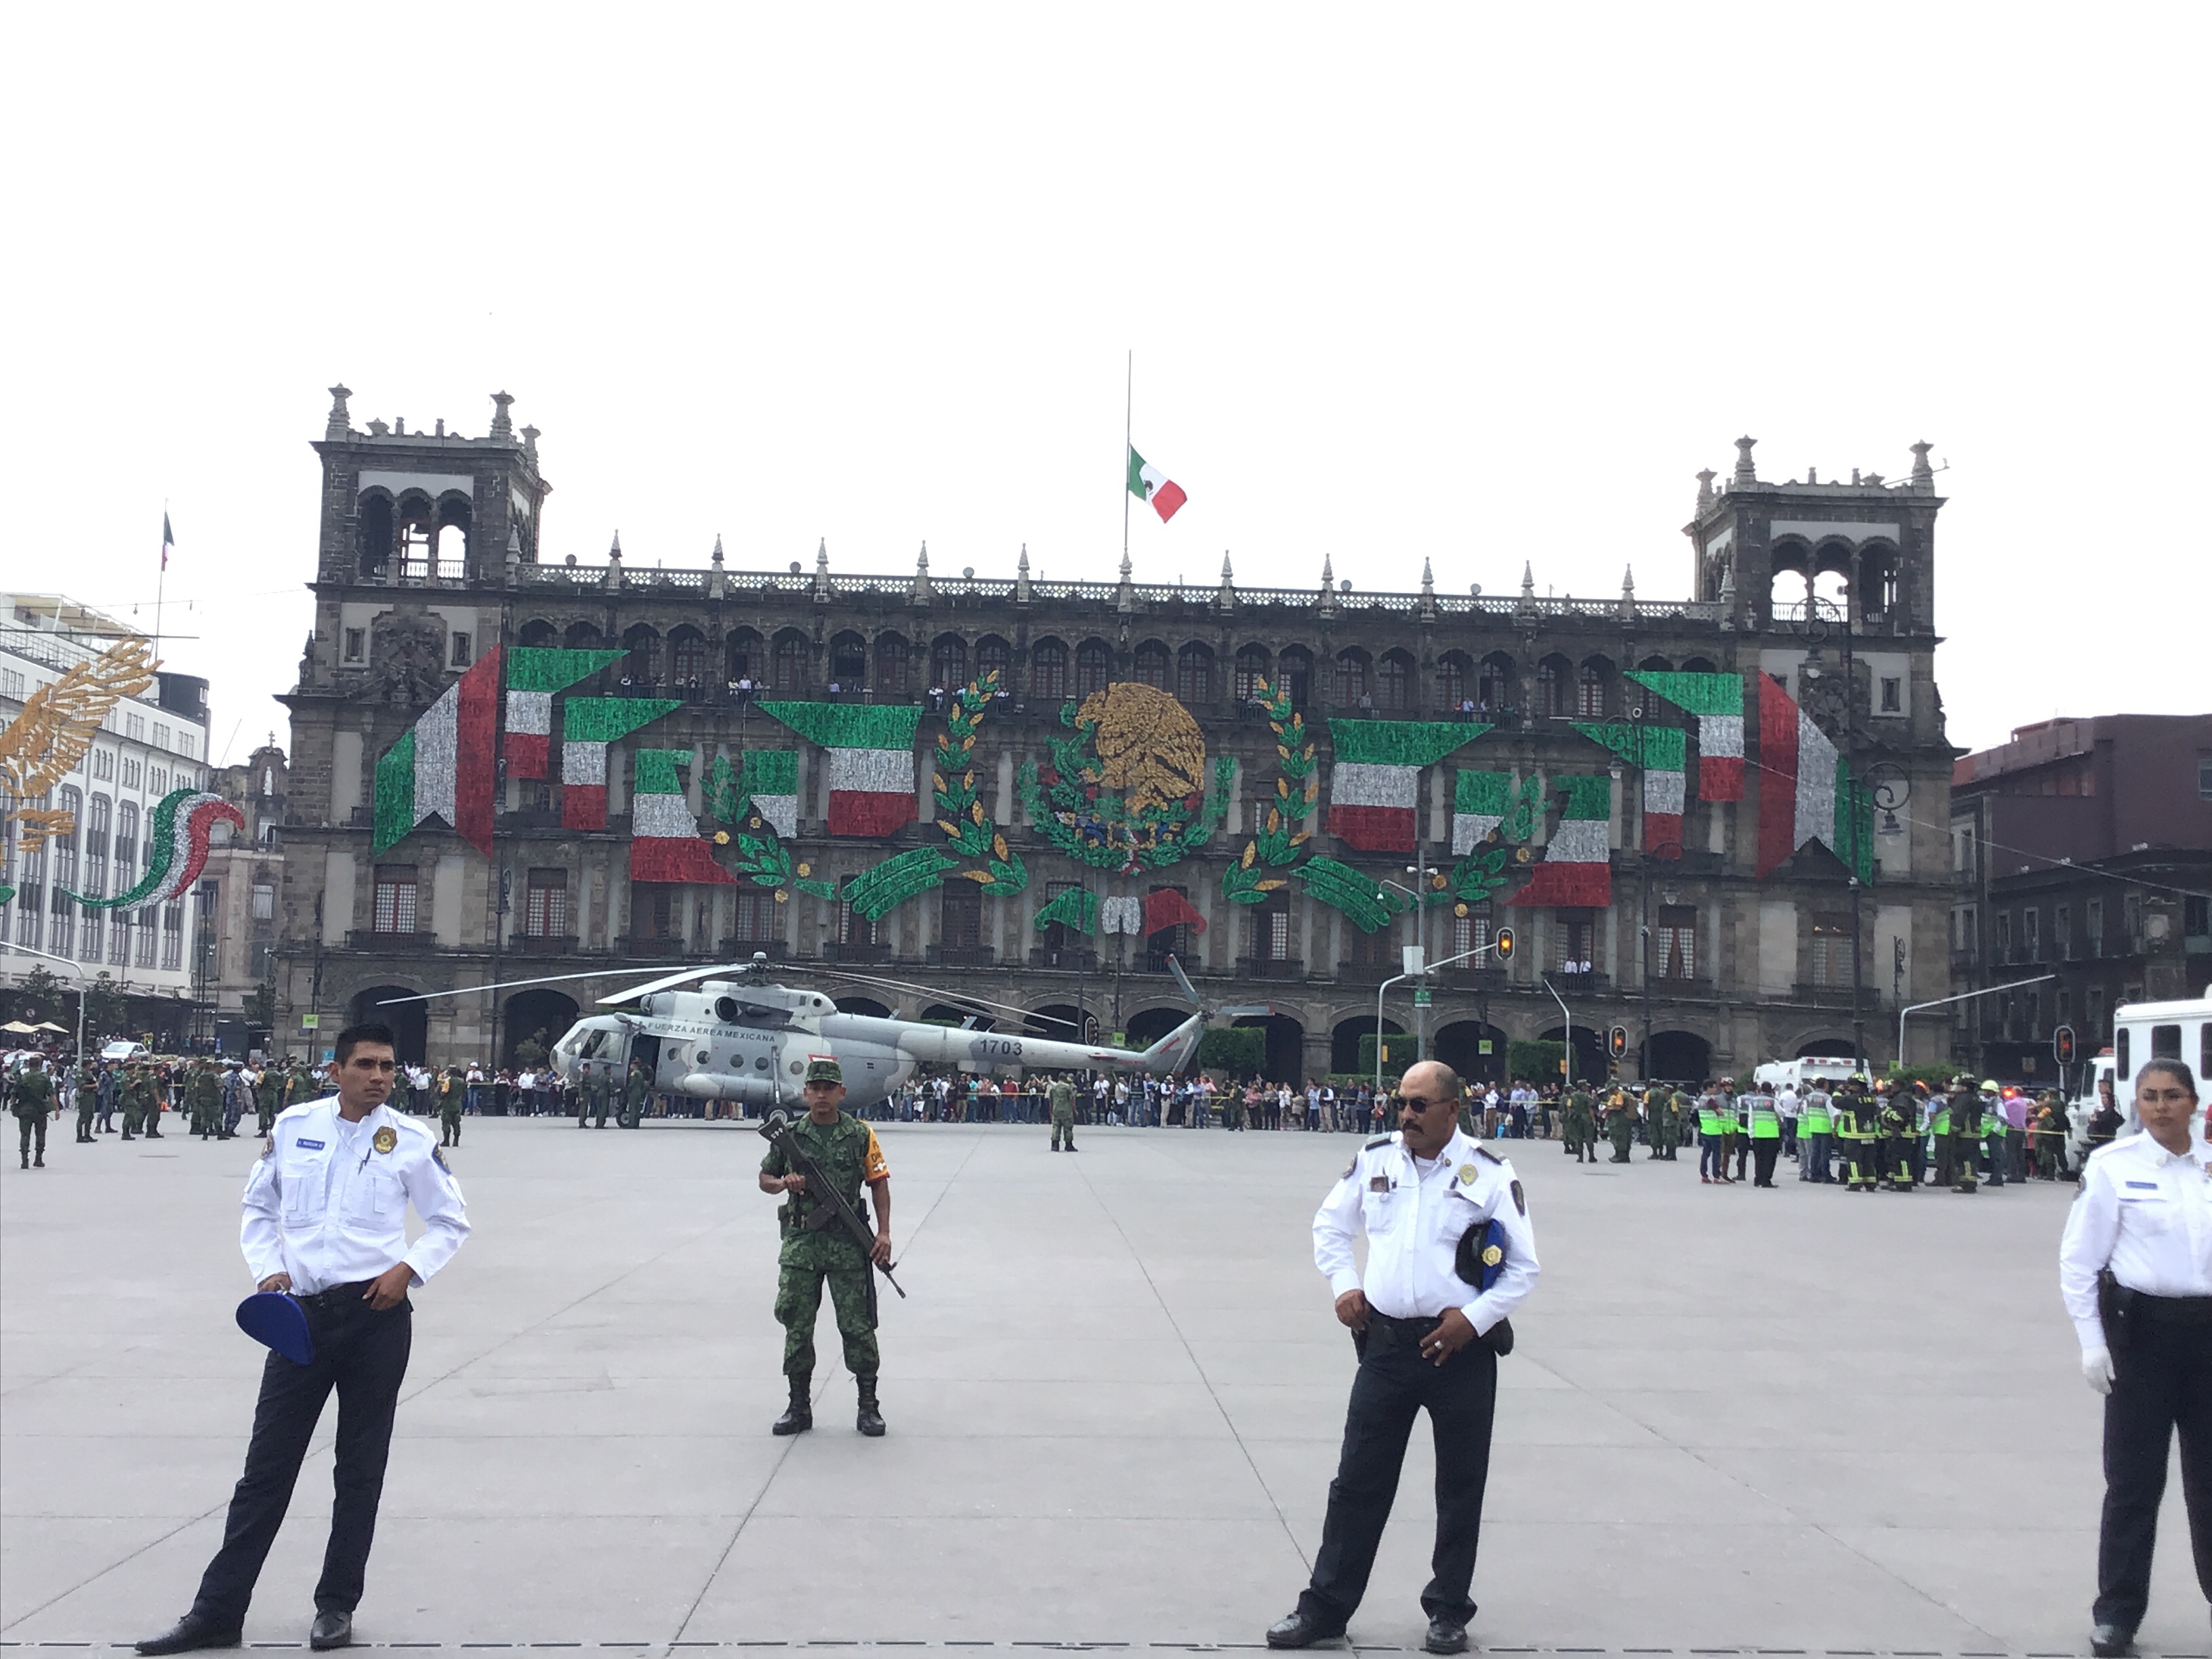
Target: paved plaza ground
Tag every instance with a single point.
(1796, 1421)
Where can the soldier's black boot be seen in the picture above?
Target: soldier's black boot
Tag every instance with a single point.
(871, 1419)
(798, 1416)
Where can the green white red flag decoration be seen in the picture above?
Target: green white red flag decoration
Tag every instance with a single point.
(1716, 700)
(1376, 775)
(1577, 873)
(534, 673)
(183, 828)
(665, 844)
(872, 766)
(1148, 483)
(1805, 791)
(588, 724)
(443, 768)
(1661, 752)
(770, 779)
(1480, 801)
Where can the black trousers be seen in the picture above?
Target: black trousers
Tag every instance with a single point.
(363, 1355)
(1393, 1383)
(1763, 1154)
(2163, 1383)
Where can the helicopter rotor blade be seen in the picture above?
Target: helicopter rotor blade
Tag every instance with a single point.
(505, 985)
(1182, 979)
(934, 991)
(721, 969)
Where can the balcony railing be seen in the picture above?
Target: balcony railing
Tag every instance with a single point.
(962, 955)
(1271, 968)
(628, 945)
(543, 945)
(370, 939)
(1070, 959)
(855, 952)
(743, 949)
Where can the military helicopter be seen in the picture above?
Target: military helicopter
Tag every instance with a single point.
(736, 1038)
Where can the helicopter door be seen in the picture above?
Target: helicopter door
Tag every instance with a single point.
(647, 1048)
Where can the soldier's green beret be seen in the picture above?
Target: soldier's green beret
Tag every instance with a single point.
(823, 1069)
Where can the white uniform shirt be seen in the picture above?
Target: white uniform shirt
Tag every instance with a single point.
(326, 1206)
(1413, 1218)
(2145, 1213)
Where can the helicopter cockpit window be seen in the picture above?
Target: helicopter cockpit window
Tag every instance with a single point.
(593, 1044)
(726, 1008)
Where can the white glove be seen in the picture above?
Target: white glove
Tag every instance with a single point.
(2097, 1369)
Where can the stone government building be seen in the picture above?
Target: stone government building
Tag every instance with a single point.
(428, 557)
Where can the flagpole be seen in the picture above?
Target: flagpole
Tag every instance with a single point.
(161, 581)
(1129, 404)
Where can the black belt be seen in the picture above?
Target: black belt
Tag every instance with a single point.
(1422, 1325)
(335, 1296)
(2173, 1310)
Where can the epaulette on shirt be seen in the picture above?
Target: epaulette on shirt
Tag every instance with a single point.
(1379, 1141)
(1485, 1151)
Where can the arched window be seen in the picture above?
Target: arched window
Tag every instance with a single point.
(415, 528)
(1553, 676)
(1251, 669)
(375, 536)
(641, 666)
(994, 656)
(744, 657)
(1194, 675)
(452, 538)
(1094, 665)
(689, 665)
(1452, 677)
(1351, 685)
(582, 636)
(1494, 685)
(1393, 682)
(1152, 665)
(1295, 668)
(1699, 665)
(948, 662)
(789, 673)
(1048, 672)
(538, 635)
(848, 662)
(1594, 690)
(891, 665)
(1653, 665)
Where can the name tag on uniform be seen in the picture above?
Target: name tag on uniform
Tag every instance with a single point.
(1378, 1184)
(309, 1145)
(2151, 1185)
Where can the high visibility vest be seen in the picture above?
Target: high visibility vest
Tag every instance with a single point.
(1708, 1119)
(1765, 1120)
(1813, 1118)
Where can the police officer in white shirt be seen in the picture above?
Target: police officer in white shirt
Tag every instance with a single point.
(2135, 1269)
(326, 1221)
(1425, 1338)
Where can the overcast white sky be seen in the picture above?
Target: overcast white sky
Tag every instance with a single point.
(1482, 284)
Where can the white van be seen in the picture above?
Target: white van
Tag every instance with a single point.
(1830, 1069)
(2143, 1031)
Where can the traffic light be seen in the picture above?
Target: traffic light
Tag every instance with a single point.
(1616, 1041)
(1504, 944)
(2061, 1045)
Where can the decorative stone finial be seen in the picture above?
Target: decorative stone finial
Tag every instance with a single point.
(340, 422)
(1022, 576)
(502, 426)
(1728, 597)
(718, 547)
(530, 441)
(822, 569)
(1628, 593)
(1705, 489)
(1924, 476)
(1226, 595)
(614, 579)
(1746, 473)
(514, 543)
(1125, 592)
(1527, 585)
(921, 593)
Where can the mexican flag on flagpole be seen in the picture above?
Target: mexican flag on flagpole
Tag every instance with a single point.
(1375, 778)
(665, 843)
(1717, 701)
(1661, 752)
(872, 770)
(1480, 803)
(588, 724)
(1148, 483)
(1577, 873)
(443, 768)
(534, 673)
(1805, 790)
(770, 779)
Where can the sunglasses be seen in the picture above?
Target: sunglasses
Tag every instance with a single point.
(1420, 1102)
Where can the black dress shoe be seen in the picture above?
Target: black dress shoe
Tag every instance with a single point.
(189, 1632)
(1446, 1635)
(2110, 1641)
(332, 1629)
(1299, 1629)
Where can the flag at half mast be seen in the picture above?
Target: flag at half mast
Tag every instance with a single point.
(1148, 483)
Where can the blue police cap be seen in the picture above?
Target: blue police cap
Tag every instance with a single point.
(276, 1320)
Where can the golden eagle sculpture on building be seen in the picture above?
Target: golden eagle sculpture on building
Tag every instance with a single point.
(44, 743)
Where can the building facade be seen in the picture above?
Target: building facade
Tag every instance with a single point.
(146, 747)
(1253, 780)
(2082, 855)
(235, 944)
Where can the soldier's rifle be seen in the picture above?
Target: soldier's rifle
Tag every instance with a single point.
(832, 1209)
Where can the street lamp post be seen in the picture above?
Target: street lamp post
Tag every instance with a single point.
(1426, 970)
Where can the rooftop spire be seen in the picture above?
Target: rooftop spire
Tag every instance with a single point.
(1746, 474)
(1924, 476)
(920, 594)
(1022, 576)
(340, 422)
(502, 426)
(1705, 489)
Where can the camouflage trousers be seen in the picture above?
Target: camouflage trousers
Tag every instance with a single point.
(1063, 1127)
(809, 1260)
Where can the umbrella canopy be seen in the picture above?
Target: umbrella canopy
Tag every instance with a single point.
(19, 1029)
(48, 1025)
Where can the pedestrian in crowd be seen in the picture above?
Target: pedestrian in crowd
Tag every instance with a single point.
(111, 1097)
(1765, 1136)
(1788, 1106)
(1994, 1129)
(325, 1222)
(1816, 1134)
(30, 1097)
(2104, 1125)
(2135, 1267)
(1738, 1147)
(1423, 1341)
(846, 1150)
(1712, 1109)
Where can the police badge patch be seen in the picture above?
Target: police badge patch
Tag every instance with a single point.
(386, 1138)
(1519, 1202)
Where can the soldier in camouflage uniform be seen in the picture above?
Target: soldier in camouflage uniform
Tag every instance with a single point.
(846, 1149)
(453, 1091)
(204, 1094)
(87, 1099)
(1580, 1127)
(33, 1100)
(305, 1084)
(637, 1088)
(268, 1098)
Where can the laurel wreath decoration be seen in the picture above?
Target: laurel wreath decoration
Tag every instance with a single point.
(1126, 802)
(1279, 840)
(960, 812)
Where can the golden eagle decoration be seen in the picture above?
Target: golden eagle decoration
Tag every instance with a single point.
(44, 743)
